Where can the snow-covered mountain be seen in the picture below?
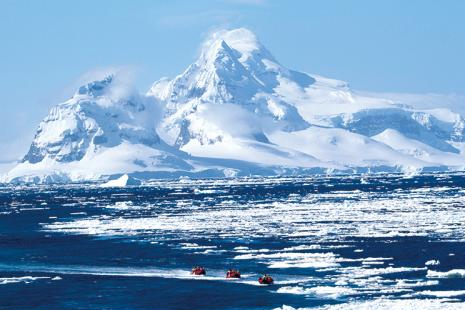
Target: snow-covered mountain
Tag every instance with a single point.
(236, 111)
(102, 130)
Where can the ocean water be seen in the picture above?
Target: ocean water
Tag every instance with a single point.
(349, 242)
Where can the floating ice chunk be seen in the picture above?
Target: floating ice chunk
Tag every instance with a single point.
(358, 272)
(285, 307)
(454, 273)
(210, 191)
(303, 264)
(413, 283)
(441, 293)
(303, 247)
(123, 205)
(294, 260)
(409, 304)
(371, 262)
(432, 263)
(389, 304)
(122, 181)
(332, 292)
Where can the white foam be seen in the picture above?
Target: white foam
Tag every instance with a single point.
(212, 274)
(195, 246)
(26, 279)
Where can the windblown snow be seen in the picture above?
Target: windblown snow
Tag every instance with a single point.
(236, 111)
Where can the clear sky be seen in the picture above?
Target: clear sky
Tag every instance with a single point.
(414, 46)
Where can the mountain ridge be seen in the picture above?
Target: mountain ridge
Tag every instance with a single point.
(236, 111)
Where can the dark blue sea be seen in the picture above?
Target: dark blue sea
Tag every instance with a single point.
(347, 242)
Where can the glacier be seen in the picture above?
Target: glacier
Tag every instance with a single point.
(236, 111)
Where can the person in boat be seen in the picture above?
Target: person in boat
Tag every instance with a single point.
(233, 273)
(197, 270)
(265, 279)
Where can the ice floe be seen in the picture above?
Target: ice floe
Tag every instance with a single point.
(432, 262)
(390, 304)
(454, 273)
(332, 292)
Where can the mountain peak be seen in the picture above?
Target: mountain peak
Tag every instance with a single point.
(242, 40)
(233, 68)
(96, 88)
(218, 50)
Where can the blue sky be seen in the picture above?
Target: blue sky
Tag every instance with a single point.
(387, 46)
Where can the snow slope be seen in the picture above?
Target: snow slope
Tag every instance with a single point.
(236, 111)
